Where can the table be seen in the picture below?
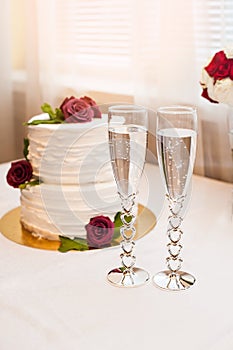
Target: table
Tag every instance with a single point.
(50, 300)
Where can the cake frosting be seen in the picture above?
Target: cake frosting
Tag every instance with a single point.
(73, 164)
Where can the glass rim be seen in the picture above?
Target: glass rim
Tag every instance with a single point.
(177, 109)
(127, 108)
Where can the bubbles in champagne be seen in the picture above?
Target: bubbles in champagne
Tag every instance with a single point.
(176, 151)
(127, 150)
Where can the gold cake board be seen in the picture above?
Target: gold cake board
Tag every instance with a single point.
(12, 229)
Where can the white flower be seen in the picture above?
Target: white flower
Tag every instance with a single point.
(222, 91)
(219, 90)
(229, 51)
(206, 80)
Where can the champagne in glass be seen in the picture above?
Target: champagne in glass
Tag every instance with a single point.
(127, 150)
(127, 127)
(176, 146)
(176, 151)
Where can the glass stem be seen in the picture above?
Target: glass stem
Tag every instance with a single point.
(128, 231)
(174, 234)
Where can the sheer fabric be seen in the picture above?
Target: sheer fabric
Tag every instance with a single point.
(151, 51)
(7, 135)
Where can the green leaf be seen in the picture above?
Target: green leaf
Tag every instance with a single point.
(34, 182)
(30, 183)
(117, 219)
(59, 114)
(68, 244)
(117, 226)
(56, 117)
(43, 121)
(46, 108)
(25, 149)
(118, 223)
(23, 186)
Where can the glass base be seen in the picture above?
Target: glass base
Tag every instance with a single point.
(136, 278)
(174, 281)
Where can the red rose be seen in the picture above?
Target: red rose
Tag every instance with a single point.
(230, 60)
(100, 231)
(92, 103)
(219, 66)
(206, 95)
(88, 100)
(19, 173)
(76, 110)
(222, 72)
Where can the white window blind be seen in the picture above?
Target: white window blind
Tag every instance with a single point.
(105, 44)
(91, 43)
(213, 26)
(95, 31)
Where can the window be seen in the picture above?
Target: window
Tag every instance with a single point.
(110, 45)
(213, 26)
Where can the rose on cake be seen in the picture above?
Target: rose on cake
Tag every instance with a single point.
(19, 173)
(66, 173)
(100, 231)
(217, 78)
(79, 110)
(71, 110)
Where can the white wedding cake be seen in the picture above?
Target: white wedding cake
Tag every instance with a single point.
(73, 165)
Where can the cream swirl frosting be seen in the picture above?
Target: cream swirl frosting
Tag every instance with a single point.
(70, 153)
(73, 163)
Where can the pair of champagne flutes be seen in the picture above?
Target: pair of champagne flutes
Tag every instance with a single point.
(176, 134)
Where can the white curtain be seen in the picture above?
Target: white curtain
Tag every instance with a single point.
(149, 50)
(7, 134)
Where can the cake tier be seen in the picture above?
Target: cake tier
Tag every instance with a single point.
(70, 153)
(73, 163)
(53, 210)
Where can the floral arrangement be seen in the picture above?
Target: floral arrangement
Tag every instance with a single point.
(217, 78)
(20, 173)
(71, 110)
(101, 233)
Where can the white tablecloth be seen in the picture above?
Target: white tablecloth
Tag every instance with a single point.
(50, 300)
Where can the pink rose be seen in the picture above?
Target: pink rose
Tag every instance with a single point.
(19, 173)
(100, 232)
(76, 110)
(92, 103)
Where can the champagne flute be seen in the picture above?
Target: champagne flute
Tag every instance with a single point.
(127, 128)
(176, 147)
